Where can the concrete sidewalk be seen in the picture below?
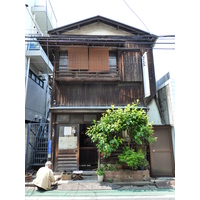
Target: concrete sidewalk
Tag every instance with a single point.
(90, 188)
(90, 182)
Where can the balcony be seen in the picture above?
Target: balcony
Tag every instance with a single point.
(42, 10)
(39, 58)
(69, 75)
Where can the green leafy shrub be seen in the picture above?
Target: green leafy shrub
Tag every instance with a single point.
(106, 133)
(110, 167)
(131, 158)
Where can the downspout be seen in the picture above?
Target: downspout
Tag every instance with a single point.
(46, 101)
(26, 84)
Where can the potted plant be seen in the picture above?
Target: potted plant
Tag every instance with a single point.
(143, 164)
(100, 174)
(28, 176)
(118, 166)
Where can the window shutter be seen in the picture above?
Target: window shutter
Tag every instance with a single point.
(98, 59)
(78, 58)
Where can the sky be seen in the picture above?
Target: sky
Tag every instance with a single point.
(154, 16)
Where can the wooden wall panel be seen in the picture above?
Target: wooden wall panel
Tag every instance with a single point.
(152, 79)
(132, 66)
(99, 94)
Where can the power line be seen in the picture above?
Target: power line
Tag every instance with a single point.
(136, 15)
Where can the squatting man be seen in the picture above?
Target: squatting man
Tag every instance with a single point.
(45, 179)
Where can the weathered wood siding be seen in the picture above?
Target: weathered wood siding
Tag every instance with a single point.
(126, 90)
(131, 65)
(152, 79)
(98, 94)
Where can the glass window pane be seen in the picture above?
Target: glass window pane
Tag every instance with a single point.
(67, 137)
(33, 77)
(37, 80)
(41, 83)
(113, 61)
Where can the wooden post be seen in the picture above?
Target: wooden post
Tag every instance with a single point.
(99, 163)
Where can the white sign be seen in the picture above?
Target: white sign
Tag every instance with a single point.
(67, 143)
(145, 75)
(67, 130)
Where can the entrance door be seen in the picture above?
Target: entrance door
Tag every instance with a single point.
(88, 158)
(67, 147)
(161, 153)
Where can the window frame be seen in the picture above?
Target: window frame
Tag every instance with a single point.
(34, 77)
(111, 53)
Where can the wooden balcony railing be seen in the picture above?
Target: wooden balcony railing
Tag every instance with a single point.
(71, 75)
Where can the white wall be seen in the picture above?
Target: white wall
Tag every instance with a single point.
(97, 29)
(30, 27)
(168, 107)
(153, 113)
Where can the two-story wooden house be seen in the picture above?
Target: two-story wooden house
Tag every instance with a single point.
(97, 62)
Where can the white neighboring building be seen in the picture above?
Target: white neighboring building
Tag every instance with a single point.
(39, 19)
(165, 87)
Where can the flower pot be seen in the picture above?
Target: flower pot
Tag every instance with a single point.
(100, 178)
(28, 177)
(119, 167)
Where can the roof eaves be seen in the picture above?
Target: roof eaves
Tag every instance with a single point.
(98, 18)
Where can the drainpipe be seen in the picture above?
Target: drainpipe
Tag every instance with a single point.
(27, 72)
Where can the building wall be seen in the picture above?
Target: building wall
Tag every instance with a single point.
(153, 113)
(163, 101)
(166, 98)
(36, 97)
(98, 94)
(97, 29)
(36, 100)
(29, 25)
(126, 90)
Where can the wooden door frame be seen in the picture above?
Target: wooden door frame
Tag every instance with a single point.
(163, 150)
(56, 142)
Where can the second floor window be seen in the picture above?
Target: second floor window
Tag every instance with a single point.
(36, 79)
(88, 59)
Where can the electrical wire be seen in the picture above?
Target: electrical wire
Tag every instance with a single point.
(136, 15)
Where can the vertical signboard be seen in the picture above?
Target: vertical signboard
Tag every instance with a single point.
(145, 75)
(49, 148)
